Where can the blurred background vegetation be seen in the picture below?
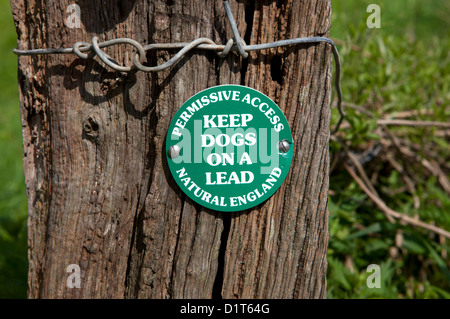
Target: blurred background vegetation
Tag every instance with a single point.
(401, 71)
(13, 199)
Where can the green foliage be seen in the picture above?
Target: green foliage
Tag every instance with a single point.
(404, 66)
(13, 201)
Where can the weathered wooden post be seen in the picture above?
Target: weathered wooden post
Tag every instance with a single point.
(100, 194)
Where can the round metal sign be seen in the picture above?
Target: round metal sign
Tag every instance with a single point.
(229, 148)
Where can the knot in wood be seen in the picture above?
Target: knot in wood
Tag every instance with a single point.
(91, 127)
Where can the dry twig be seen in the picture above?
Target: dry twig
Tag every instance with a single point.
(389, 212)
(395, 122)
(409, 183)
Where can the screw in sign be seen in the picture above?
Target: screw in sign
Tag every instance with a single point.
(229, 148)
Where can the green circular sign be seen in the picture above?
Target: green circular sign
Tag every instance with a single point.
(229, 147)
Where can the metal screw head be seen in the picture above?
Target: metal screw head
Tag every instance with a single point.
(284, 146)
(174, 151)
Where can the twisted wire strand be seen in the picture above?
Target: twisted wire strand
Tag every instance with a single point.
(85, 50)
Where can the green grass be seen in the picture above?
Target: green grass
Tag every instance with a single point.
(13, 200)
(405, 65)
(406, 19)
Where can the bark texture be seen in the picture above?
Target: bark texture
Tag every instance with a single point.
(100, 194)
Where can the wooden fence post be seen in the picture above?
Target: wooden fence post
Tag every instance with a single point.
(100, 194)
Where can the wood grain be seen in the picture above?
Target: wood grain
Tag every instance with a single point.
(100, 194)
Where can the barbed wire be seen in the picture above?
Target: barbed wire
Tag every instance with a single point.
(86, 50)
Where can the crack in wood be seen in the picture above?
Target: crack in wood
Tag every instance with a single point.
(218, 282)
(249, 15)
